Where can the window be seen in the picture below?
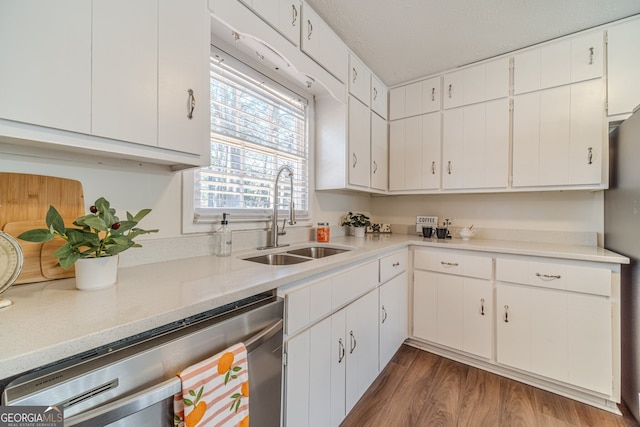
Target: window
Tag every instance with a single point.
(257, 126)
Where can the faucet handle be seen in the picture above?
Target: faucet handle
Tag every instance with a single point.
(282, 231)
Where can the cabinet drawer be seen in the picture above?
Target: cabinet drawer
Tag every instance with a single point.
(556, 275)
(392, 265)
(353, 283)
(451, 262)
(305, 306)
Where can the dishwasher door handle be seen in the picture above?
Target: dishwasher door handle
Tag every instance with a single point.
(262, 336)
(126, 406)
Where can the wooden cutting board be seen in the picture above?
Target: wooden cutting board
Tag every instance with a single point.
(24, 202)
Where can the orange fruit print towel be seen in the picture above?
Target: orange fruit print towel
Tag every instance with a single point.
(215, 392)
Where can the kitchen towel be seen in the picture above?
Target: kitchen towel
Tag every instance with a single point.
(215, 392)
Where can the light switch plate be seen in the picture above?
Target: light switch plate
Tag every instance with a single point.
(428, 221)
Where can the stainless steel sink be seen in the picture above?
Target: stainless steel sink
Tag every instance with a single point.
(317, 251)
(277, 259)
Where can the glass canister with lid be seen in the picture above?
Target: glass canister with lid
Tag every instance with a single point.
(323, 232)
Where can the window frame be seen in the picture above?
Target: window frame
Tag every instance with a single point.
(259, 219)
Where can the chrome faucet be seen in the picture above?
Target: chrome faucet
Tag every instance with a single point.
(275, 228)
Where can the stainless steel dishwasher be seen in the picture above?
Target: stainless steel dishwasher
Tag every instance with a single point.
(132, 382)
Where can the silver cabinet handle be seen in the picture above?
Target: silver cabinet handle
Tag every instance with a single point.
(192, 104)
(548, 276)
(481, 306)
(591, 54)
(375, 93)
(449, 264)
(355, 74)
(294, 15)
(506, 314)
(375, 166)
(340, 350)
(590, 155)
(450, 90)
(384, 314)
(449, 167)
(433, 94)
(263, 336)
(354, 343)
(433, 168)
(355, 160)
(309, 29)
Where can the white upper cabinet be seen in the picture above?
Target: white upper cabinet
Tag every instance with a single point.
(183, 78)
(359, 79)
(283, 15)
(359, 143)
(379, 95)
(414, 99)
(46, 73)
(566, 61)
(323, 45)
(623, 63)
(379, 153)
(125, 70)
(478, 83)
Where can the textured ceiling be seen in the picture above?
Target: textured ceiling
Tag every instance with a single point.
(402, 40)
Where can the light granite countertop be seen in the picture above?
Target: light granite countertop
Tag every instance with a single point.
(50, 321)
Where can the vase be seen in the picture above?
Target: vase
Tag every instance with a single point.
(358, 231)
(96, 273)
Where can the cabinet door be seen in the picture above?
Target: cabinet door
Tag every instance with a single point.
(397, 153)
(555, 64)
(587, 133)
(320, 361)
(474, 84)
(296, 409)
(379, 95)
(339, 349)
(513, 327)
(393, 317)
(453, 90)
(526, 139)
(323, 45)
(477, 317)
(379, 153)
(359, 80)
(183, 66)
(623, 63)
(397, 98)
(431, 95)
(587, 57)
(555, 120)
(46, 65)
(124, 97)
(425, 305)
(496, 144)
(589, 341)
(549, 355)
(450, 310)
(431, 166)
(452, 148)
(284, 15)
(359, 143)
(526, 71)
(362, 350)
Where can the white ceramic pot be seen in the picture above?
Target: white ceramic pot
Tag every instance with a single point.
(96, 273)
(358, 231)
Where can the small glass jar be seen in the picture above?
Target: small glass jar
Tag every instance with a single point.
(323, 232)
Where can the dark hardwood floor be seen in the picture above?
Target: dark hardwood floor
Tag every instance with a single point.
(418, 388)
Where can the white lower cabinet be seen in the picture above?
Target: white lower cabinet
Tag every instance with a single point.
(555, 331)
(332, 352)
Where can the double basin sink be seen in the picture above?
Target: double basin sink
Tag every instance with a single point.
(296, 256)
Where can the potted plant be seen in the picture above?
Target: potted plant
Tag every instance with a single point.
(96, 239)
(357, 222)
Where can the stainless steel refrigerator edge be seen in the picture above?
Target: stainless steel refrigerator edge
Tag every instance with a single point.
(622, 235)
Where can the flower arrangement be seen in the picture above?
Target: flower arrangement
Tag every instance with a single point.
(98, 234)
(356, 220)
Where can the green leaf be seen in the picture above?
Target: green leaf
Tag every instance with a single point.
(192, 393)
(187, 402)
(237, 368)
(55, 221)
(67, 262)
(139, 215)
(97, 223)
(199, 393)
(39, 235)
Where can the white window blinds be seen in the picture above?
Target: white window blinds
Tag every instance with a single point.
(257, 126)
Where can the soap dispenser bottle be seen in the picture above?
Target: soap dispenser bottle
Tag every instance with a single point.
(223, 238)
